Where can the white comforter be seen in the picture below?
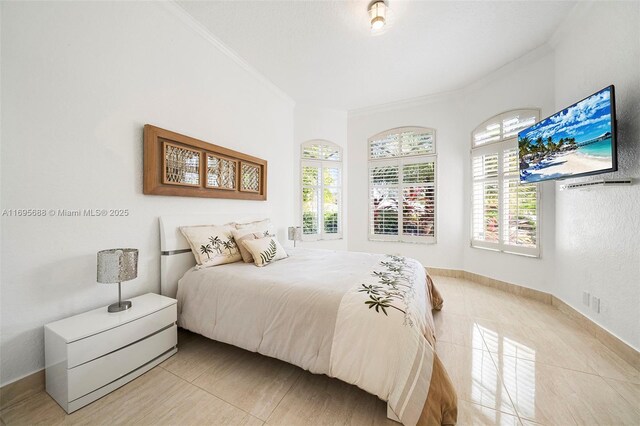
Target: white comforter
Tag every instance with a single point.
(314, 310)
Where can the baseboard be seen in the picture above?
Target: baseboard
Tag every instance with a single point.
(620, 348)
(529, 293)
(441, 272)
(21, 389)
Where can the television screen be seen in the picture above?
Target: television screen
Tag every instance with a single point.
(577, 141)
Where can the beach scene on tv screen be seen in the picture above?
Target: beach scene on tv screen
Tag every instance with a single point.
(574, 141)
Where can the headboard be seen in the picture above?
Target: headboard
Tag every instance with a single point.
(175, 255)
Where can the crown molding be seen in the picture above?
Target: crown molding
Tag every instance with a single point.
(459, 93)
(179, 12)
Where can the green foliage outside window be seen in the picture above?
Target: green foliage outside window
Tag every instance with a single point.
(310, 194)
(310, 224)
(415, 203)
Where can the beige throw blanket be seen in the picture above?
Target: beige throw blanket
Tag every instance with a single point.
(362, 318)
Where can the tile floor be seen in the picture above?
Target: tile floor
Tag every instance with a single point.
(513, 361)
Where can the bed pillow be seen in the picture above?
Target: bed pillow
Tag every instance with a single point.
(240, 235)
(265, 250)
(212, 245)
(264, 227)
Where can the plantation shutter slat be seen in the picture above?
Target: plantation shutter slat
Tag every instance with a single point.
(413, 143)
(402, 198)
(512, 125)
(321, 151)
(485, 166)
(385, 148)
(312, 152)
(503, 126)
(491, 133)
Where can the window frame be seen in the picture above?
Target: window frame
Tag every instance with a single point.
(321, 164)
(400, 161)
(499, 147)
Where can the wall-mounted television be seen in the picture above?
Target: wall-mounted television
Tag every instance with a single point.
(578, 141)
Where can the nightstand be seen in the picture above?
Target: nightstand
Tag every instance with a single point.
(91, 354)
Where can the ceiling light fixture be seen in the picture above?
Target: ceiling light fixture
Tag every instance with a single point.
(378, 14)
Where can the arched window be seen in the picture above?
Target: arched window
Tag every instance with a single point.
(402, 185)
(504, 213)
(321, 165)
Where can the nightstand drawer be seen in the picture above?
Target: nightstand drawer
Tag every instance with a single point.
(92, 375)
(95, 346)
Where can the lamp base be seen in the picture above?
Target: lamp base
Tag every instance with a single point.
(120, 306)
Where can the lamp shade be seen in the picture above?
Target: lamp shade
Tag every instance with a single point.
(117, 265)
(295, 233)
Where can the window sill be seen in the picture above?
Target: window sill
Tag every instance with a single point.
(425, 242)
(313, 240)
(498, 250)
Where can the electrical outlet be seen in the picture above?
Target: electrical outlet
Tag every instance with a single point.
(595, 304)
(586, 297)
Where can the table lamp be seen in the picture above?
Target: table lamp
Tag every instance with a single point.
(295, 234)
(116, 266)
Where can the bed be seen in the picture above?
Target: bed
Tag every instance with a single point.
(362, 318)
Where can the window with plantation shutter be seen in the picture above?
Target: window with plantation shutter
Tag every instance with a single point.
(505, 213)
(321, 169)
(504, 126)
(402, 185)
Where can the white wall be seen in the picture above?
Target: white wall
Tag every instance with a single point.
(79, 80)
(442, 114)
(524, 83)
(598, 231)
(331, 125)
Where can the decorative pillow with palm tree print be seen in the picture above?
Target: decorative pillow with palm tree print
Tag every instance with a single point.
(212, 245)
(264, 227)
(240, 235)
(265, 250)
